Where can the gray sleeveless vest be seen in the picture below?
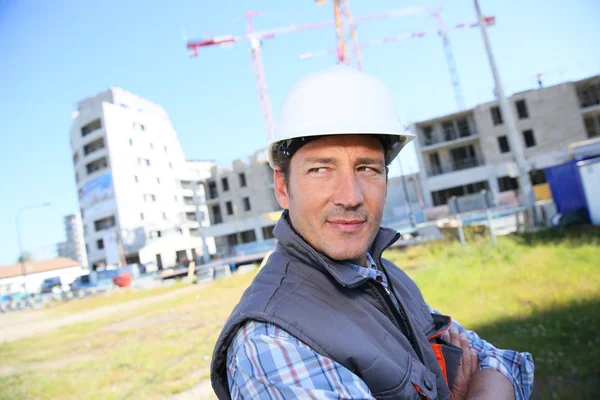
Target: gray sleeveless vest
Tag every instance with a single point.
(342, 315)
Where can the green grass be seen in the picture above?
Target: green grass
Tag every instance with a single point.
(153, 351)
(537, 293)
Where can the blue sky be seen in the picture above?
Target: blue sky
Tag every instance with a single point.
(56, 53)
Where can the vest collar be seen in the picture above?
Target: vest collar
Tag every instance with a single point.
(293, 245)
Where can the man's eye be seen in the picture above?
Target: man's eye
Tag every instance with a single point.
(317, 170)
(368, 169)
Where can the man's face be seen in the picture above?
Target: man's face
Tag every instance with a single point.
(336, 193)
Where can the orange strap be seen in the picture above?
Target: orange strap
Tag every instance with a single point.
(437, 350)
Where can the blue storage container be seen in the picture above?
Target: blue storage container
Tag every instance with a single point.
(566, 188)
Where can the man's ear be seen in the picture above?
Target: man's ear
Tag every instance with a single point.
(281, 190)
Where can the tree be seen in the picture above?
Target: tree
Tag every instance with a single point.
(25, 257)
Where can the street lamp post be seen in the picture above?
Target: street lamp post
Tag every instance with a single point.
(20, 241)
(511, 125)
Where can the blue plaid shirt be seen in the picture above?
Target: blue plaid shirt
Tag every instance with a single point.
(266, 362)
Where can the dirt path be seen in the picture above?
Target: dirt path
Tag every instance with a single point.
(19, 325)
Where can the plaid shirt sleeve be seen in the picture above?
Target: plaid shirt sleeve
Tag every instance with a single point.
(266, 362)
(517, 367)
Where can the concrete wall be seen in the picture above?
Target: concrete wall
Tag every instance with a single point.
(259, 189)
(554, 117)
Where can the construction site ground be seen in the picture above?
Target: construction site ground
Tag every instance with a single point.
(536, 292)
(153, 343)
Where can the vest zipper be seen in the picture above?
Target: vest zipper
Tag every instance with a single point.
(402, 317)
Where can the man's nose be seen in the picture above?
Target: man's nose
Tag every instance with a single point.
(348, 193)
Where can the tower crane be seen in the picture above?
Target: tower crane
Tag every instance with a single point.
(255, 39)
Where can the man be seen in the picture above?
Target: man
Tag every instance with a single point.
(327, 317)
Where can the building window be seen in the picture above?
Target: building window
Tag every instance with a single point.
(242, 179)
(175, 197)
(151, 146)
(191, 216)
(522, 109)
(164, 215)
(93, 146)
(144, 161)
(142, 216)
(149, 197)
(212, 190)
(529, 138)
(246, 203)
(463, 127)
(464, 157)
(537, 176)
(131, 142)
(435, 164)
(165, 148)
(503, 143)
(104, 223)
(496, 115)
(136, 179)
(449, 130)
(441, 197)
(248, 236)
(158, 180)
(91, 127)
(216, 214)
(75, 158)
(267, 232)
(225, 184)
(158, 233)
(589, 94)
(428, 135)
(170, 165)
(506, 183)
(229, 207)
(592, 125)
(97, 165)
(100, 244)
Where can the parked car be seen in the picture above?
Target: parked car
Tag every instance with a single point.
(54, 284)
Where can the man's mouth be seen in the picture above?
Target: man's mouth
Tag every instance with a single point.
(346, 225)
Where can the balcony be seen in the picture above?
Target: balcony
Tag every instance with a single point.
(589, 94)
(456, 165)
(436, 139)
(93, 146)
(96, 165)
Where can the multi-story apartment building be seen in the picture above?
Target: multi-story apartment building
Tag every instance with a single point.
(74, 246)
(468, 151)
(241, 202)
(133, 182)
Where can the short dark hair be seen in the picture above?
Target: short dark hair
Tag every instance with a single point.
(282, 163)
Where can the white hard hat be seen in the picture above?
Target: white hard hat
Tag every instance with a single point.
(339, 100)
